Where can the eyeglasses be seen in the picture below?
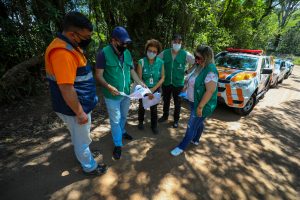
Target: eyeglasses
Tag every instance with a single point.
(152, 51)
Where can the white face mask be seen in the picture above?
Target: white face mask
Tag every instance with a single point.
(176, 47)
(151, 55)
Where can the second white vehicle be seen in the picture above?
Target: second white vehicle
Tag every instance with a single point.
(279, 72)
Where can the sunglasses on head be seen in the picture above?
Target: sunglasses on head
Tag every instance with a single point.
(198, 57)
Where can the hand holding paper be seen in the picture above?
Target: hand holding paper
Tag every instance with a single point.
(139, 92)
(113, 90)
(150, 96)
(147, 103)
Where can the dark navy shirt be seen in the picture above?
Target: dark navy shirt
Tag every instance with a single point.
(101, 62)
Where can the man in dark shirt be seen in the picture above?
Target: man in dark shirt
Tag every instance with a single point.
(114, 70)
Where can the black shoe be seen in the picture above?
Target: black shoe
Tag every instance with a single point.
(127, 136)
(155, 130)
(101, 169)
(117, 153)
(162, 119)
(141, 126)
(175, 125)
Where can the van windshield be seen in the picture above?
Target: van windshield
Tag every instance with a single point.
(237, 62)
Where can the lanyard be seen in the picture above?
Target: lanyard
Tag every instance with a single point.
(151, 70)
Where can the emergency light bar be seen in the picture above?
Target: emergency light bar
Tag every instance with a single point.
(250, 51)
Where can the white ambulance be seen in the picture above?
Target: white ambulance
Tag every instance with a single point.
(244, 77)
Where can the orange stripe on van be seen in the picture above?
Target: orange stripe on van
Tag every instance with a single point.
(239, 92)
(228, 94)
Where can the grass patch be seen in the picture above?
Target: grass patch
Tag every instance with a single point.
(296, 60)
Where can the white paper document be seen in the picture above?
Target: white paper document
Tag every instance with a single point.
(125, 95)
(147, 103)
(138, 93)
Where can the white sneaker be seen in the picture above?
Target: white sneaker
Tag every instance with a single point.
(195, 143)
(177, 151)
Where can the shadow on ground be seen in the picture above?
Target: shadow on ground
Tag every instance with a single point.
(254, 157)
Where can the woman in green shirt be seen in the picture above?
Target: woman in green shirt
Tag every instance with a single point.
(204, 96)
(151, 70)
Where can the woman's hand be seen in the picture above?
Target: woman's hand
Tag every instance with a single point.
(199, 111)
(150, 96)
(210, 89)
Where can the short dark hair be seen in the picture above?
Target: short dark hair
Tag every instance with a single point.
(153, 43)
(76, 20)
(177, 36)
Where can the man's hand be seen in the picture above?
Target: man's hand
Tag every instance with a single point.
(136, 78)
(100, 78)
(144, 85)
(70, 96)
(152, 90)
(113, 90)
(82, 118)
(199, 111)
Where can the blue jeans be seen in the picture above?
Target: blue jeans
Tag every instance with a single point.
(194, 129)
(80, 136)
(117, 111)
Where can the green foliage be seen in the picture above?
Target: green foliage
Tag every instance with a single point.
(290, 42)
(264, 35)
(26, 28)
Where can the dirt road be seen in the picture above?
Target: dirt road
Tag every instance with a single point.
(253, 157)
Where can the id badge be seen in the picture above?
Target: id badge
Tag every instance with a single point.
(151, 81)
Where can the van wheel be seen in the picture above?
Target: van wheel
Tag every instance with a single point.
(248, 107)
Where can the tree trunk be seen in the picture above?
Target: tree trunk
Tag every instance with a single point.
(17, 74)
(277, 40)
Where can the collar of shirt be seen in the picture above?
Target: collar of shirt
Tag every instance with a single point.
(64, 38)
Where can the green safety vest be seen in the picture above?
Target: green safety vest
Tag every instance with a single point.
(174, 69)
(151, 71)
(115, 73)
(199, 90)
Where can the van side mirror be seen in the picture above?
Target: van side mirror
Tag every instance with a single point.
(267, 71)
(282, 67)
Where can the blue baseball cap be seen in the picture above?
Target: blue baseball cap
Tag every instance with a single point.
(120, 33)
